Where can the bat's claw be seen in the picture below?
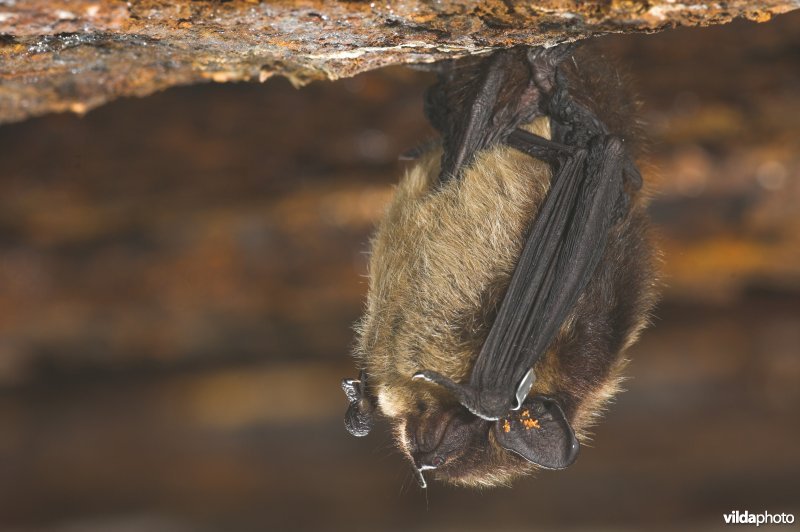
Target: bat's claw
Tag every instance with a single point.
(420, 478)
(523, 389)
(489, 406)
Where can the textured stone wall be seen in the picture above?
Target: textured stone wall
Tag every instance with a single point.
(73, 55)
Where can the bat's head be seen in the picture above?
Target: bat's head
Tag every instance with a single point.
(446, 442)
(443, 440)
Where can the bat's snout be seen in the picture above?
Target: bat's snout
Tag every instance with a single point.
(424, 450)
(438, 440)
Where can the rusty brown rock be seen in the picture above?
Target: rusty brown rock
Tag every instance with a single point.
(73, 55)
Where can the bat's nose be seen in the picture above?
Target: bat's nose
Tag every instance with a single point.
(426, 461)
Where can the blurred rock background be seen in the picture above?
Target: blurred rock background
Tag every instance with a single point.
(179, 276)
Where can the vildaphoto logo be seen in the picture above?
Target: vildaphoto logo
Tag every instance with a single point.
(764, 518)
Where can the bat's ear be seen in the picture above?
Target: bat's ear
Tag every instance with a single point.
(540, 433)
(358, 417)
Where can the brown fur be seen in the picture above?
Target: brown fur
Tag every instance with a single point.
(441, 260)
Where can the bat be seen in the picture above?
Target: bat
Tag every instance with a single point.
(511, 271)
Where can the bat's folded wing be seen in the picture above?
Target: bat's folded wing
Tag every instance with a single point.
(560, 255)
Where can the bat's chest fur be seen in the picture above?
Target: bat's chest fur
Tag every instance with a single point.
(441, 261)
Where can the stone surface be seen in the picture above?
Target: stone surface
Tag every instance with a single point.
(73, 55)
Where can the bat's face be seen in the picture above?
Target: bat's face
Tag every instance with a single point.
(444, 261)
(441, 438)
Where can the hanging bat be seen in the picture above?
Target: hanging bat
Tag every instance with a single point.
(509, 274)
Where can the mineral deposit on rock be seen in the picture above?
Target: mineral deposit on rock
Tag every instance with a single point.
(72, 55)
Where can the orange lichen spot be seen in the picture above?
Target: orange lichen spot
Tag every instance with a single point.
(525, 413)
(758, 16)
(506, 426)
(531, 424)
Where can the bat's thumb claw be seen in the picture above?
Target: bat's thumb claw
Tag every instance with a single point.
(523, 389)
(430, 376)
(463, 394)
(466, 395)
